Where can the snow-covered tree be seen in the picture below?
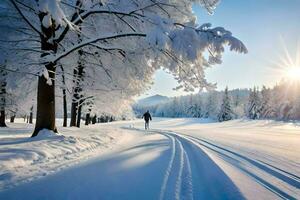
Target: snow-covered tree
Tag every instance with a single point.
(254, 104)
(164, 36)
(196, 108)
(282, 102)
(266, 110)
(226, 112)
(211, 105)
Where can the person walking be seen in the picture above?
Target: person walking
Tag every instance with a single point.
(147, 117)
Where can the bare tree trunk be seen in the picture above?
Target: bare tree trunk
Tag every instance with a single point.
(12, 118)
(45, 114)
(2, 118)
(94, 119)
(65, 107)
(87, 119)
(31, 118)
(78, 77)
(31, 115)
(79, 114)
(2, 98)
(74, 100)
(73, 113)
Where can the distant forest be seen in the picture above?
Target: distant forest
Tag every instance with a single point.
(281, 102)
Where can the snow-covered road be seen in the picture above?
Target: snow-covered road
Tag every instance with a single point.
(183, 159)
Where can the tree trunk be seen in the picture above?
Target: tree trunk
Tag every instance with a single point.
(94, 120)
(3, 75)
(31, 118)
(77, 79)
(31, 115)
(73, 112)
(79, 114)
(65, 107)
(2, 118)
(12, 118)
(45, 113)
(75, 98)
(87, 119)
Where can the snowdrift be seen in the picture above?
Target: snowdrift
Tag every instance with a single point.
(23, 158)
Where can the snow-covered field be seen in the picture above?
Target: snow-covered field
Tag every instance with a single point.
(176, 159)
(24, 159)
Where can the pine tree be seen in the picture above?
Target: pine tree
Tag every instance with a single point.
(175, 106)
(211, 105)
(266, 109)
(226, 112)
(196, 109)
(254, 104)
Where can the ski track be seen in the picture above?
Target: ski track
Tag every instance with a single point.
(179, 165)
(250, 167)
(168, 171)
(179, 177)
(188, 184)
(253, 168)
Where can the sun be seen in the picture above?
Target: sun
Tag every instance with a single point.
(293, 73)
(287, 67)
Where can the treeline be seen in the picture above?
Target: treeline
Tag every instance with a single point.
(103, 118)
(281, 102)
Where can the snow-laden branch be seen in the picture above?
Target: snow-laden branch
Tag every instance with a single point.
(55, 58)
(17, 71)
(80, 16)
(25, 18)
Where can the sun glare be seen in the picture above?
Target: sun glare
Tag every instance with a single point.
(293, 73)
(288, 66)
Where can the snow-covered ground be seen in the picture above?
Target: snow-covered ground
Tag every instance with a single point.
(23, 159)
(176, 159)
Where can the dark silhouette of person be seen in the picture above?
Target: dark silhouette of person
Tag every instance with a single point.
(147, 117)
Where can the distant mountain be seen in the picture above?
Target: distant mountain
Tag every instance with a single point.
(152, 100)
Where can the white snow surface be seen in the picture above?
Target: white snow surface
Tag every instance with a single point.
(176, 159)
(24, 159)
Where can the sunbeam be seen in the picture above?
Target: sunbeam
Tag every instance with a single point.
(288, 66)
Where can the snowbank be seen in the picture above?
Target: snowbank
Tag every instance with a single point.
(45, 133)
(23, 158)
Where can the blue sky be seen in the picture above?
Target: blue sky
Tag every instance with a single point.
(265, 27)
